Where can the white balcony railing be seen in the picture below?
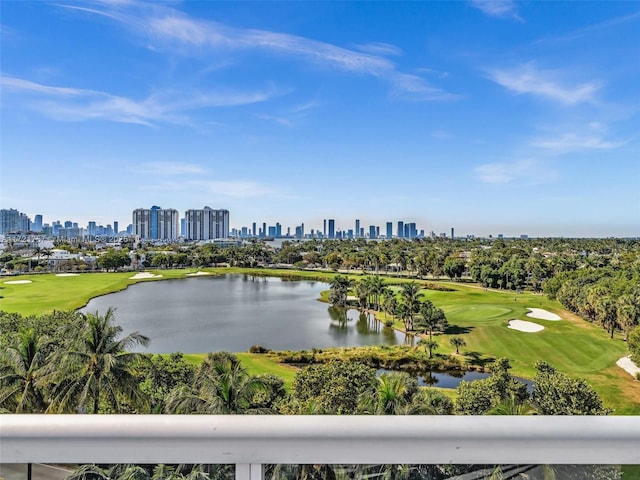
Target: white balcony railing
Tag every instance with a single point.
(250, 441)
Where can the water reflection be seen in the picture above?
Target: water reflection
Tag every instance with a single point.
(234, 312)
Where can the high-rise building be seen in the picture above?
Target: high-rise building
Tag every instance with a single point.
(115, 227)
(372, 231)
(156, 223)
(206, 224)
(452, 233)
(400, 229)
(389, 230)
(36, 226)
(92, 229)
(12, 221)
(357, 228)
(253, 229)
(332, 228)
(324, 229)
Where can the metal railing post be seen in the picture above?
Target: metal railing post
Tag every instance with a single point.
(249, 471)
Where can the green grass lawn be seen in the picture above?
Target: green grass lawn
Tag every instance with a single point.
(255, 363)
(480, 317)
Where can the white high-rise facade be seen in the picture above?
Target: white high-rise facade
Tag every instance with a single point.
(206, 224)
(156, 223)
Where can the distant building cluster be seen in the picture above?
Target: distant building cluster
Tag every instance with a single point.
(154, 223)
(205, 224)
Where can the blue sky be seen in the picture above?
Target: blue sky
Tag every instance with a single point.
(487, 116)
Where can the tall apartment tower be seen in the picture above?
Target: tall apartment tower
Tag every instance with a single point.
(357, 228)
(332, 228)
(324, 228)
(389, 230)
(400, 229)
(36, 226)
(12, 221)
(156, 223)
(206, 224)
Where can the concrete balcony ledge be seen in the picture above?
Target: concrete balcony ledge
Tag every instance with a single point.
(239, 439)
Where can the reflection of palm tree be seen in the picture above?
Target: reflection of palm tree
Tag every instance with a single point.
(98, 367)
(20, 370)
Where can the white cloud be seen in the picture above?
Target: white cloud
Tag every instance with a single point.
(589, 137)
(526, 172)
(72, 104)
(216, 188)
(498, 8)
(545, 83)
(441, 134)
(379, 48)
(569, 142)
(167, 168)
(168, 28)
(236, 189)
(285, 122)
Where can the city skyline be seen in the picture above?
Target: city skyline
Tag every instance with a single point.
(490, 117)
(216, 223)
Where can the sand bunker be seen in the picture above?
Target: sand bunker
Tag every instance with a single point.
(628, 366)
(543, 314)
(67, 274)
(197, 274)
(140, 275)
(524, 326)
(17, 282)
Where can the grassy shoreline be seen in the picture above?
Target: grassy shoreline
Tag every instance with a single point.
(573, 346)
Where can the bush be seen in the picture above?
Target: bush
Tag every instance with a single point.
(258, 349)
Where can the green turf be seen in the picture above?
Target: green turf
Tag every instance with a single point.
(256, 364)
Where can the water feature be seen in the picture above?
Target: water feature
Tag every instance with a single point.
(451, 379)
(234, 312)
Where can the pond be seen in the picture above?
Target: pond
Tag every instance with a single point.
(234, 312)
(451, 379)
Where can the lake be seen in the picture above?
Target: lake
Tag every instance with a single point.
(234, 312)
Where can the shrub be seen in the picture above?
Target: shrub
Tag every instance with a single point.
(258, 349)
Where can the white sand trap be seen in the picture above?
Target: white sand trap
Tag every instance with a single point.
(543, 314)
(140, 275)
(17, 282)
(197, 274)
(67, 274)
(524, 326)
(628, 366)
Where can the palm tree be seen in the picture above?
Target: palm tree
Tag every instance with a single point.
(392, 397)
(389, 302)
(410, 295)
(402, 311)
(457, 342)
(433, 318)
(338, 290)
(20, 372)
(628, 310)
(430, 345)
(97, 366)
(362, 292)
(513, 406)
(222, 386)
